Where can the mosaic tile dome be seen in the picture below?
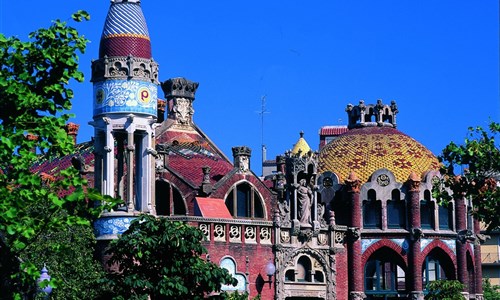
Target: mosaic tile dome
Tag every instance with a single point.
(125, 31)
(365, 150)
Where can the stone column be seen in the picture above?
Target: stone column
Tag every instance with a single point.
(414, 253)
(355, 274)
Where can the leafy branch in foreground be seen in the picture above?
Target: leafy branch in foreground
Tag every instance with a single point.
(479, 158)
(34, 100)
(162, 259)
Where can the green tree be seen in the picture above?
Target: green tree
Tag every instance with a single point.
(479, 160)
(34, 100)
(445, 290)
(490, 292)
(163, 259)
(68, 253)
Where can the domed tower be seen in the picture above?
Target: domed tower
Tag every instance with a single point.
(125, 108)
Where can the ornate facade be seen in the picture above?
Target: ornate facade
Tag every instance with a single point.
(354, 220)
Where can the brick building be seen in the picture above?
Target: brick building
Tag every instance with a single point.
(355, 219)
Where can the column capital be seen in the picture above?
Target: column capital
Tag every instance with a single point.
(413, 182)
(353, 183)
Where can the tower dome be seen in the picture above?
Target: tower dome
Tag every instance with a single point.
(301, 146)
(125, 31)
(369, 146)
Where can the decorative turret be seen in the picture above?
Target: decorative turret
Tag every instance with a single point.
(125, 76)
(125, 79)
(370, 115)
(241, 157)
(180, 93)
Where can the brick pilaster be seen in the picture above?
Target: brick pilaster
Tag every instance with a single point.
(477, 260)
(414, 255)
(356, 286)
(460, 219)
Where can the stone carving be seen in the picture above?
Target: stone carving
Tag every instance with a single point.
(179, 88)
(220, 233)
(465, 236)
(353, 183)
(417, 233)
(284, 213)
(241, 157)
(353, 233)
(339, 237)
(235, 233)
(265, 235)
(205, 228)
(481, 238)
(122, 67)
(357, 296)
(250, 234)
(285, 237)
(304, 201)
(321, 215)
(286, 258)
(183, 111)
(322, 239)
(383, 180)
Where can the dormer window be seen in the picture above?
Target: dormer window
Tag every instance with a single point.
(245, 202)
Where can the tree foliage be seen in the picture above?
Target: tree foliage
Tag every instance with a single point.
(163, 259)
(490, 292)
(68, 253)
(34, 100)
(479, 161)
(445, 290)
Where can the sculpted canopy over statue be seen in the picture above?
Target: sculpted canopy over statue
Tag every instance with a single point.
(304, 202)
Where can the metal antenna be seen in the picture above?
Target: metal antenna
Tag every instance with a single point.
(261, 113)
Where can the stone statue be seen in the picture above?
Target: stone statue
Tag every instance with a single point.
(304, 202)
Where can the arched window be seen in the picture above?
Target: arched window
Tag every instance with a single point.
(396, 211)
(427, 211)
(166, 197)
(243, 201)
(229, 264)
(446, 216)
(372, 211)
(384, 277)
(306, 270)
(436, 266)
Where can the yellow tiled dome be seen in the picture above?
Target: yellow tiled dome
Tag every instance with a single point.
(301, 146)
(365, 150)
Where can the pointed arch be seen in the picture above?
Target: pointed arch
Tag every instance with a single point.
(169, 200)
(244, 200)
(385, 274)
(437, 265)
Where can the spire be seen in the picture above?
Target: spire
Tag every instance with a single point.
(301, 146)
(125, 31)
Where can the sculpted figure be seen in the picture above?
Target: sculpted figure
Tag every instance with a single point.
(304, 197)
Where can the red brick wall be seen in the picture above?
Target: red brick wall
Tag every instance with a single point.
(258, 257)
(342, 276)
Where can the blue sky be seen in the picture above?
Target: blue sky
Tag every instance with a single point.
(438, 59)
